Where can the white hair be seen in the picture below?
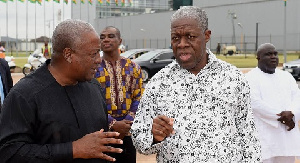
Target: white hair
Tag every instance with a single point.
(192, 12)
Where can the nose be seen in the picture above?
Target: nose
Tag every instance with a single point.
(183, 42)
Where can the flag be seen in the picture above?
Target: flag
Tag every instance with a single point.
(123, 2)
(57, 1)
(32, 1)
(66, 1)
(3, 1)
(130, 2)
(38, 1)
(100, 2)
(90, 2)
(116, 1)
(82, 1)
(108, 2)
(74, 1)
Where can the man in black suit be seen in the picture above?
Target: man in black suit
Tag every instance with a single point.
(6, 82)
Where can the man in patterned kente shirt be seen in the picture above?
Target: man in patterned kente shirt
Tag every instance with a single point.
(197, 109)
(121, 80)
(275, 101)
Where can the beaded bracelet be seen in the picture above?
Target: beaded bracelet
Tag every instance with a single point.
(111, 124)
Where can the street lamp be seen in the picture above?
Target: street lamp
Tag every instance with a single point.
(233, 16)
(240, 25)
(144, 40)
(256, 42)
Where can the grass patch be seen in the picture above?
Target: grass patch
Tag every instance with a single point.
(250, 61)
(238, 60)
(20, 61)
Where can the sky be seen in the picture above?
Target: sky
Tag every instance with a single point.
(33, 9)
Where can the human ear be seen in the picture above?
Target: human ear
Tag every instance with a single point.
(207, 35)
(67, 52)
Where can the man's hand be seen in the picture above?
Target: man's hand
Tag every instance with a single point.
(162, 127)
(95, 144)
(122, 127)
(286, 118)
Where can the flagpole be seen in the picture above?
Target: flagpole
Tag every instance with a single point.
(17, 27)
(44, 20)
(53, 16)
(88, 12)
(71, 9)
(7, 40)
(35, 25)
(63, 12)
(26, 27)
(284, 33)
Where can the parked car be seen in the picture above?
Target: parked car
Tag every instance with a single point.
(230, 50)
(134, 53)
(153, 61)
(293, 67)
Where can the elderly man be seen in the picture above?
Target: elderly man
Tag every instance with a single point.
(197, 109)
(275, 102)
(58, 113)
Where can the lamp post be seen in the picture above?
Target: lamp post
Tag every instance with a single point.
(242, 40)
(256, 42)
(143, 30)
(233, 16)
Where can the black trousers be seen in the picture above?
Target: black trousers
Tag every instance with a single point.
(129, 152)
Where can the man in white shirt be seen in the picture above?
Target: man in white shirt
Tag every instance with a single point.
(274, 100)
(196, 109)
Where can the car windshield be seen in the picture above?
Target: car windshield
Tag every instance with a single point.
(37, 51)
(128, 53)
(148, 56)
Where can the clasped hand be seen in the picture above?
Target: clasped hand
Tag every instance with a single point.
(122, 127)
(286, 118)
(162, 127)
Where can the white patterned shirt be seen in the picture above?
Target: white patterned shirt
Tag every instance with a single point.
(213, 119)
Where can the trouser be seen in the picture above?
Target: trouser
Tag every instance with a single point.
(280, 159)
(129, 152)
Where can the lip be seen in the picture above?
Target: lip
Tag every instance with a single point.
(106, 45)
(184, 56)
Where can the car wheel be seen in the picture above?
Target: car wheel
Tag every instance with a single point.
(145, 75)
(27, 70)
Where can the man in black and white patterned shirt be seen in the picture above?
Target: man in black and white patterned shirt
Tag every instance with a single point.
(197, 109)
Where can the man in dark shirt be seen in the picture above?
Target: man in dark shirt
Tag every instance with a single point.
(58, 113)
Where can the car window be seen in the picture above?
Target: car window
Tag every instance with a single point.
(165, 55)
(128, 53)
(147, 56)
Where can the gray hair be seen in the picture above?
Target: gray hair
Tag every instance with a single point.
(67, 34)
(192, 12)
(263, 46)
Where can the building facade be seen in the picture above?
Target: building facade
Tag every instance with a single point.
(242, 23)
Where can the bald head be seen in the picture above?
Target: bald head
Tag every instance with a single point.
(68, 34)
(267, 57)
(192, 12)
(263, 47)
